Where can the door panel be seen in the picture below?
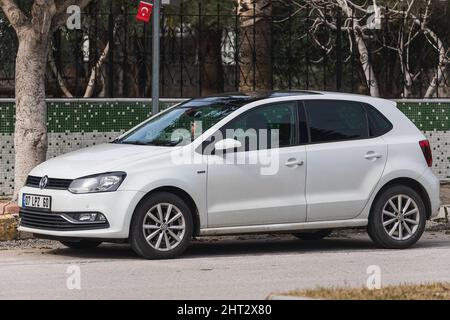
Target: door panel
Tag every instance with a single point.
(264, 181)
(239, 194)
(342, 176)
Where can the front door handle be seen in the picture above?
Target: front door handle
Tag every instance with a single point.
(373, 156)
(294, 163)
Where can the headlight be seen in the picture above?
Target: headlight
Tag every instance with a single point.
(106, 182)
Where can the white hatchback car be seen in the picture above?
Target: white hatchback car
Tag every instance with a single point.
(297, 162)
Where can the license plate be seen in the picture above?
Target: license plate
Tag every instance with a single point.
(37, 202)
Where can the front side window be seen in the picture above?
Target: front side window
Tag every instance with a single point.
(183, 124)
(266, 127)
(332, 121)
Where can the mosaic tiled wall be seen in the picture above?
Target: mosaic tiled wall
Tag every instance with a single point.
(74, 125)
(433, 118)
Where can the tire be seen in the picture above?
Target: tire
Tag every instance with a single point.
(166, 239)
(385, 211)
(82, 244)
(313, 236)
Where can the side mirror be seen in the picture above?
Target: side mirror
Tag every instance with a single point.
(227, 144)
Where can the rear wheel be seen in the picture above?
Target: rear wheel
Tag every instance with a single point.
(81, 244)
(314, 236)
(398, 218)
(162, 227)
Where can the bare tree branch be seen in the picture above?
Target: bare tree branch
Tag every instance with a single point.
(15, 16)
(57, 74)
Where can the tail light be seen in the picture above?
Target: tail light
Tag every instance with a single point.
(426, 149)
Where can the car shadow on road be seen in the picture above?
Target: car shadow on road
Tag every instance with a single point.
(234, 247)
(208, 248)
(273, 247)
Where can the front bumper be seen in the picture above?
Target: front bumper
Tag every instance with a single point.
(117, 207)
(58, 221)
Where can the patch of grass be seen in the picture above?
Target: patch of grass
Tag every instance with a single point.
(432, 291)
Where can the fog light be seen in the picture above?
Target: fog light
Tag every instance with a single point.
(89, 217)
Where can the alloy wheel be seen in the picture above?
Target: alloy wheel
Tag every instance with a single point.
(164, 227)
(401, 217)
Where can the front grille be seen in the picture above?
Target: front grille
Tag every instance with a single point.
(55, 184)
(54, 222)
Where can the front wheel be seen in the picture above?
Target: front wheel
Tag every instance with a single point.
(162, 227)
(398, 218)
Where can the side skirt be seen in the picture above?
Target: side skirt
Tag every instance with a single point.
(285, 227)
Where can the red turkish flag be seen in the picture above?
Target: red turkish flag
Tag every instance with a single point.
(144, 12)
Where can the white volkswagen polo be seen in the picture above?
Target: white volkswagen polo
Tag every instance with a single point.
(298, 162)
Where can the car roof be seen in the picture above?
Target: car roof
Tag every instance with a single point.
(241, 99)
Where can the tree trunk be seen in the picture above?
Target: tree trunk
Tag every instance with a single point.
(211, 63)
(255, 56)
(31, 111)
(364, 57)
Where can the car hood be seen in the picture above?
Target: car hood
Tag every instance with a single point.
(97, 159)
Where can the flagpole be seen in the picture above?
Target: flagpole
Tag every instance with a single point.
(156, 58)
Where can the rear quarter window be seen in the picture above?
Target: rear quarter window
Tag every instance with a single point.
(378, 123)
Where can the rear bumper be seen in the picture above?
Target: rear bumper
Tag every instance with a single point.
(432, 186)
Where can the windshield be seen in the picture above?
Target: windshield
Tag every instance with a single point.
(183, 124)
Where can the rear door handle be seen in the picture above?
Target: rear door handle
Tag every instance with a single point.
(294, 163)
(373, 156)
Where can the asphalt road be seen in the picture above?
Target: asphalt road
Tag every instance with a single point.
(225, 269)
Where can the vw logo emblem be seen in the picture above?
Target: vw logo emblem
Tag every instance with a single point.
(43, 183)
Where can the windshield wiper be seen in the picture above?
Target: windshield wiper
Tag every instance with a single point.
(158, 143)
(137, 143)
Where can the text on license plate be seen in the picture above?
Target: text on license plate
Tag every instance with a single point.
(37, 202)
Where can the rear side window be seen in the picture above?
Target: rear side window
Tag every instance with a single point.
(331, 121)
(378, 124)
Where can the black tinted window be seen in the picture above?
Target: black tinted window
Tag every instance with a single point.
(378, 123)
(276, 124)
(331, 121)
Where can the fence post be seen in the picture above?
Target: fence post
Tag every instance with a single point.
(111, 51)
(339, 51)
(307, 45)
(289, 49)
(237, 74)
(156, 56)
(163, 51)
(254, 47)
(181, 50)
(200, 51)
(125, 55)
(219, 58)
